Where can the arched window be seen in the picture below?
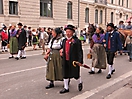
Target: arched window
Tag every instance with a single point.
(69, 10)
(96, 16)
(87, 15)
(101, 17)
(126, 17)
(112, 17)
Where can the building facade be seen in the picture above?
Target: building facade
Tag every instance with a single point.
(53, 13)
(101, 12)
(38, 13)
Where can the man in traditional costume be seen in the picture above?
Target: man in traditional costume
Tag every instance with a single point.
(22, 40)
(72, 51)
(112, 44)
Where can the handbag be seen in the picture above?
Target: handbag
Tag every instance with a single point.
(89, 56)
(8, 45)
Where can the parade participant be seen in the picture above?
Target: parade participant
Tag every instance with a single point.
(13, 41)
(72, 51)
(98, 50)
(4, 38)
(54, 62)
(43, 39)
(112, 43)
(128, 45)
(35, 39)
(121, 25)
(22, 40)
(129, 26)
(29, 36)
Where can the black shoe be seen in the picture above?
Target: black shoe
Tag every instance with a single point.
(11, 57)
(49, 86)
(6, 50)
(130, 60)
(108, 76)
(23, 57)
(91, 72)
(80, 86)
(100, 71)
(64, 91)
(2, 51)
(113, 71)
(17, 58)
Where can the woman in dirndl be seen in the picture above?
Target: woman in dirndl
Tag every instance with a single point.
(35, 39)
(98, 51)
(54, 61)
(13, 42)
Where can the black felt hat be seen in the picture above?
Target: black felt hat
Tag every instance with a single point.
(71, 27)
(111, 25)
(20, 24)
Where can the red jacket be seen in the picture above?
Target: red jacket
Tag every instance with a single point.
(4, 36)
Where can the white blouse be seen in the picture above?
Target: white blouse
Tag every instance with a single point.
(57, 44)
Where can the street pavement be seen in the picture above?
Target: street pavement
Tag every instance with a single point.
(25, 79)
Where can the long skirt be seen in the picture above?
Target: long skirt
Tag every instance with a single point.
(129, 48)
(99, 56)
(54, 66)
(13, 45)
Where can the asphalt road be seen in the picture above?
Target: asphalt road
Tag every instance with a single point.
(25, 79)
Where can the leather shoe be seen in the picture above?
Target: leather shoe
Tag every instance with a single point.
(80, 86)
(113, 71)
(108, 76)
(49, 86)
(11, 57)
(17, 58)
(100, 71)
(64, 91)
(23, 57)
(91, 72)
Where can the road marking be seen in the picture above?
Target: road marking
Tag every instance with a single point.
(90, 93)
(117, 93)
(26, 55)
(20, 71)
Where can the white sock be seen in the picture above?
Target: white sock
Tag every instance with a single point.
(110, 69)
(66, 84)
(5, 47)
(23, 53)
(19, 53)
(79, 80)
(92, 68)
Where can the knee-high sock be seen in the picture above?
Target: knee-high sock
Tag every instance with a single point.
(110, 69)
(23, 53)
(66, 83)
(79, 80)
(3, 48)
(19, 53)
